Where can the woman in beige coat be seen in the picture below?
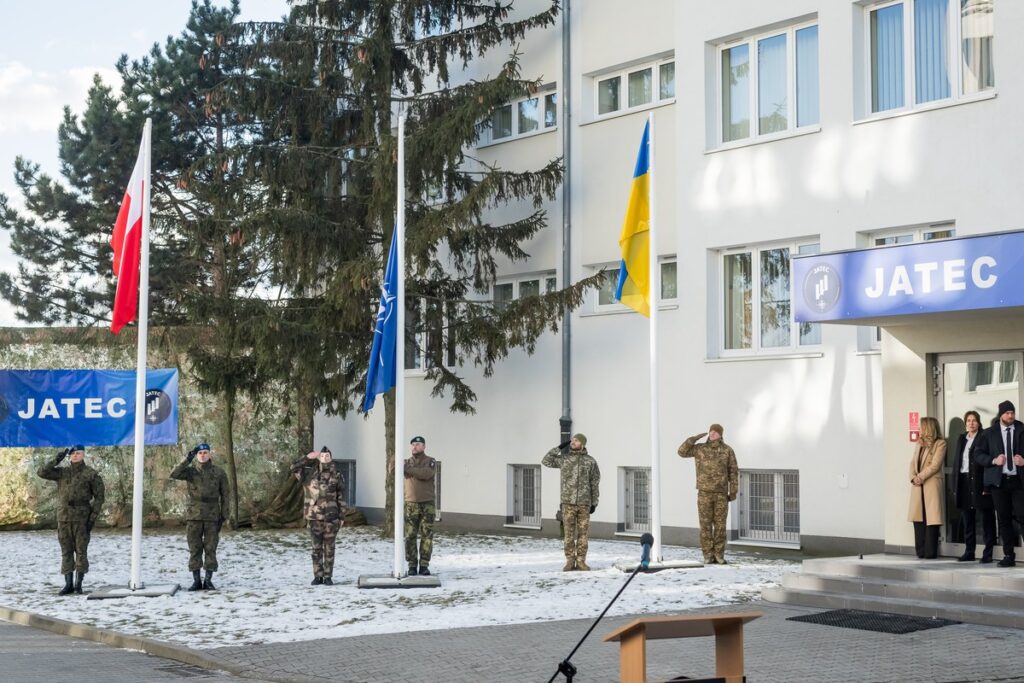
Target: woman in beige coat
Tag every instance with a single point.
(926, 488)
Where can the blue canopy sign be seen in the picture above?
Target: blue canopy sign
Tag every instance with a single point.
(57, 408)
(967, 273)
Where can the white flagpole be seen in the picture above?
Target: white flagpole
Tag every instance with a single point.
(135, 582)
(400, 358)
(654, 297)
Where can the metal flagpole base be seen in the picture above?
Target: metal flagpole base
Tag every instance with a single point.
(628, 567)
(389, 581)
(152, 591)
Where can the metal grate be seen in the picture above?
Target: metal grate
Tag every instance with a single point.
(348, 470)
(526, 494)
(880, 622)
(770, 506)
(636, 496)
(185, 671)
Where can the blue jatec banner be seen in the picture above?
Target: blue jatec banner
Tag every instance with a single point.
(983, 271)
(59, 408)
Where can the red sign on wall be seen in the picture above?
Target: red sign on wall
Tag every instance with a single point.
(915, 435)
(915, 421)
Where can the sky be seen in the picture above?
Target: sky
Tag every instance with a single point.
(49, 52)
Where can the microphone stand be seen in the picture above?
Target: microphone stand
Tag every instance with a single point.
(566, 667)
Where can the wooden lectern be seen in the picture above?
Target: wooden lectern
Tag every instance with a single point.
(726, 628)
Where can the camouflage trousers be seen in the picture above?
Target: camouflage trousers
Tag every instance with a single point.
(203, 537)
(324, 534)
(419, 520)
(576, 522)
(712, 509)
(73, 537)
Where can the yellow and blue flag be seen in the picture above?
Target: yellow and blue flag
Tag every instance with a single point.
(634, 286)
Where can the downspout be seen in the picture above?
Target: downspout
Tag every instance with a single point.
(565, 422)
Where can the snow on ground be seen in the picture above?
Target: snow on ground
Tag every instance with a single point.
(264, 593)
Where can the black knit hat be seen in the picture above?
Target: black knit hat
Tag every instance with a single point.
(1006, 406)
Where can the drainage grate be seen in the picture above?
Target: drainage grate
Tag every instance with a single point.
(881, 622)
(183, 671)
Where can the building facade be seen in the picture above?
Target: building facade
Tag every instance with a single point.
(782, 129)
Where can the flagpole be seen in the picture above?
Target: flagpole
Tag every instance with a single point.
(135, 582)
(654, 298)
(400, 356)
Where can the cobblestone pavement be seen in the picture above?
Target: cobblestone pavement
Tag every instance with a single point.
(776, 650)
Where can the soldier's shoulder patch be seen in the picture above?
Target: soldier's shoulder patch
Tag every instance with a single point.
(432, 462)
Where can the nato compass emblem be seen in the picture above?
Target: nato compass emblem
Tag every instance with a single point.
(821, 288)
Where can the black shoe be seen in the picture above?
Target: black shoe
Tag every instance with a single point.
(413, 571)
(985, 559)
(424, 571)
(966, 557)
(208, 582)
(197, 583)
(1007, 562)
(328, 581)
(69, 584)
(78, 581)
(316, 581)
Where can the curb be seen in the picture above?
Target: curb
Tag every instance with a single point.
(179, 653)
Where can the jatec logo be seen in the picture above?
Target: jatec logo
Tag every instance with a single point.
(158, 406)
(821, 287)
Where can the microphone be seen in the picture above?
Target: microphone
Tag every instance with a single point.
(646, 541)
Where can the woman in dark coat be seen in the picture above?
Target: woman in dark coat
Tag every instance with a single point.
(969, 494)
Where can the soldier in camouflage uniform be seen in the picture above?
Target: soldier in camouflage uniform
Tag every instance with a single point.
(79, 500)
(717, 485)
(324, 508)
(581, 479)
(205, 514)
(419, 507)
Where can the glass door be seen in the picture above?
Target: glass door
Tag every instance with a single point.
(970, 381)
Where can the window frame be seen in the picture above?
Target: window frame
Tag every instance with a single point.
(541, 95)
(515, 516)
(618, 307)
(792, 126)
(622, 75)
(756, 347)
(781, 533)
(542, 279)
(420, 339)
(627, 495)
(954, 65)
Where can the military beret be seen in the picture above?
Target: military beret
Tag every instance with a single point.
(418, 439)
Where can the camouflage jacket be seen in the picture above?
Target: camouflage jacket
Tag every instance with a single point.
(581, 476)
(716, 465)
(79, 490)
(419, 472)
(323, 488)
(207, 491)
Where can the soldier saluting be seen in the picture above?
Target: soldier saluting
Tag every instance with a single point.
(717, 485)
(581, 481)
(324, 507)
(207, 509)
(79, 500)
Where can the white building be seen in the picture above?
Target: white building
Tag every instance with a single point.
(781, 128)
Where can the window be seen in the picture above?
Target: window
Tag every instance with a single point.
(988, 374)
(644, 85)
(922, 51)
(348, 470)
(505, 292)
(524, 500)
(636, 499)
(769, 506)
(437, 490)
(428, 322)
(606, 294)
(757, 314)
(760, 79)
(522, 117)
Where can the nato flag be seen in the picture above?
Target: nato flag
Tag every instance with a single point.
(380, 376)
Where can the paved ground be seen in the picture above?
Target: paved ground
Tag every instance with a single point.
(777, 650)
(29, 655)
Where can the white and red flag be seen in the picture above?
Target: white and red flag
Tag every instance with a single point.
(127, 244)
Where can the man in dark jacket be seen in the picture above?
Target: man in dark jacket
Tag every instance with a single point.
(79, 500)
(998, 451)
(323, 507)
(581, 483)
(207, 509)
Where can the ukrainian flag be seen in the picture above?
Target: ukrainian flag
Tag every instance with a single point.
(634, 287)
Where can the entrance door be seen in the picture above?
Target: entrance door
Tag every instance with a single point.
(977, 381)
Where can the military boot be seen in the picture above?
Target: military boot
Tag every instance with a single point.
(424, 571)
(208, 582)
(328, 581)
(582, 566)
(570, 565)
(68, 584)
(78, 581)
(197, 583)
(413, 571)
(317, 580)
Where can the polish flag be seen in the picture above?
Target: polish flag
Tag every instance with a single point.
(127, 244)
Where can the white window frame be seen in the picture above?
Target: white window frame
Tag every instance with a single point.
(778, 536)
(953, 65)
(615, 306)
(542, 279)
(791, 116)
(542, 94)
(623, 77)
(515, 516)
(756, 349)
(419, 367)
(627, 512)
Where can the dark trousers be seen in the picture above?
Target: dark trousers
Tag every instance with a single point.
(1009, 502)
(968, 518)
(926, 536)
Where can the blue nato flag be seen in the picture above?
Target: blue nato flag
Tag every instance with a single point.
(380, 376)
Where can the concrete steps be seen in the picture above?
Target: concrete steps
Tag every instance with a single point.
(968, 592)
